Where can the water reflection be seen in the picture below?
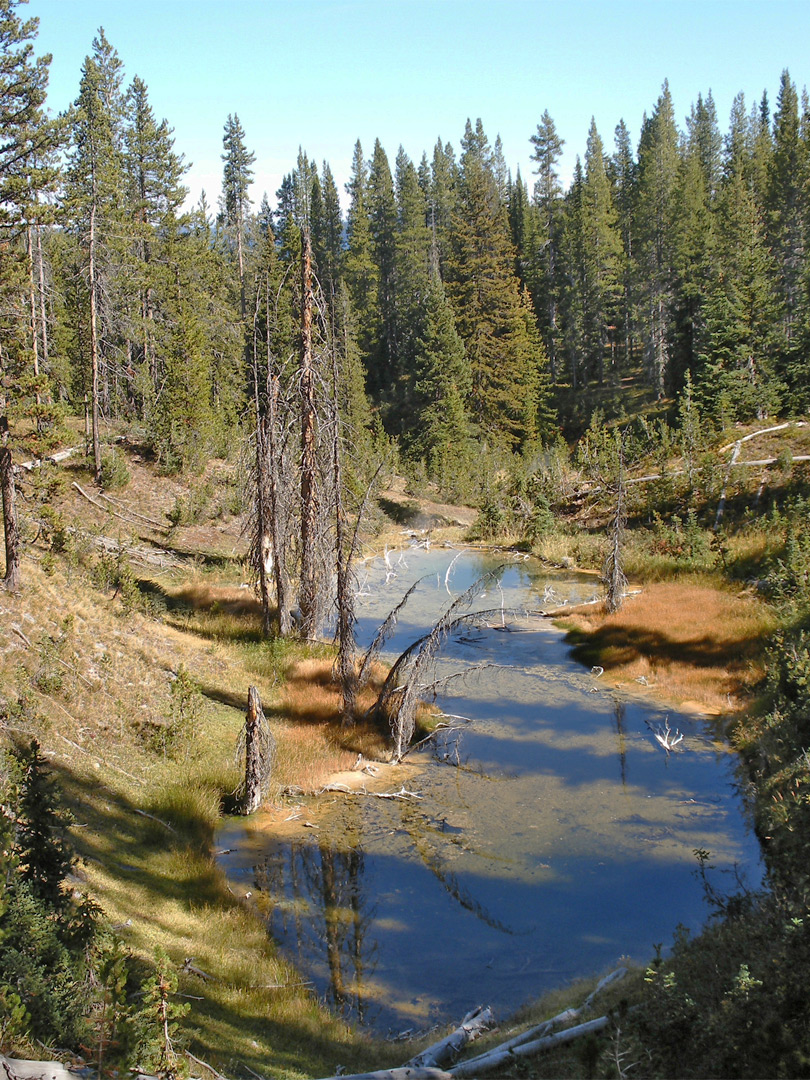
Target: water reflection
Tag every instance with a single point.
(554, 834)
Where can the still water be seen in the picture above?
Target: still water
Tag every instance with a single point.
(554, 835)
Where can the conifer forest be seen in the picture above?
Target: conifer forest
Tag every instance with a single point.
(569, 359)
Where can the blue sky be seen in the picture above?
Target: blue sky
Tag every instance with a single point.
(322, 73)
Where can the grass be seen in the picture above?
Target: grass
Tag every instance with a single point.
(94, 687)
(693, 642)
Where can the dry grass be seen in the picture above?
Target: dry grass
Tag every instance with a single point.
(312, 742)
(696, 644)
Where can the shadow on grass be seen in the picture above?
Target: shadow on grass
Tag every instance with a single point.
(612, 646)
(401, 513)
(172, 874)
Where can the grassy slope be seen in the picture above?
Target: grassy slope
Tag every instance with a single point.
(92, 681)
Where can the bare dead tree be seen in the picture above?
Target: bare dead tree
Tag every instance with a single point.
(307, 594)
(270, 526)
(404, 688)
(345, 664)
(257, 750)
(612, 573)
(10, 528)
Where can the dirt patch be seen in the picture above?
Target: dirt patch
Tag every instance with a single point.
(697, 646)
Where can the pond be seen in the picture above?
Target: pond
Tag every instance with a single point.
(554, 835)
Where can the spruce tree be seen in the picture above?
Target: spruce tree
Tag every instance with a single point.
(658, 165)
(237, 175)
(442, 383)
(485, 293)
(28, 141)
(95, 207)
(786, 209)
(543, 274)
(361, 272)
(602, 251)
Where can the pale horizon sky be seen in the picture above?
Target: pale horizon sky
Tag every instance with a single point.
(320, 74)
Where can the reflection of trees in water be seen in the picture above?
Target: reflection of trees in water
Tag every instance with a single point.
(419, 829)
(618, 715)
(319, 906)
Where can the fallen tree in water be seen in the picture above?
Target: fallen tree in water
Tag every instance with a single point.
(430, 1063)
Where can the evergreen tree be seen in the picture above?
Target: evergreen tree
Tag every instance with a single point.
(442, 200)
(442, 384)
(602, 251)
(95, 208)
(237, 175)
(43, 852)
(658, 165)
(154, 173)
(543, 276)
(384, 366)
(327, 233)
(28, 140)
(786, 208)
(413, 244)
(696, 198)
(361, 272)
(485, 294)
(623, 174)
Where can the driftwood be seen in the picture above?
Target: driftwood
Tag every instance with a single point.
(16, 1069)
(405, 1072)
(448, 1049)
(487, 1063)
(536, 1039)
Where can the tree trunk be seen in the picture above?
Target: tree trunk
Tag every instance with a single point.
(94, 359)
(11, 532)
(254, 770)
(307, 599)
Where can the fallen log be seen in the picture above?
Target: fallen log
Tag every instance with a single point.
(539, 1037)
(404, 1072)
(448, 1049)
(17, 1069)
(494, 1059)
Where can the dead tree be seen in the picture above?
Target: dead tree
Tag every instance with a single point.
(10, 529)
(307, 595)
(257, 747)
(270, 533)
(613, 575)
(404, 688)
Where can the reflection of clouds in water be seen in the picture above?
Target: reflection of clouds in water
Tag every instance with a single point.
(532, 849)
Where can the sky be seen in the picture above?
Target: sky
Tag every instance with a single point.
(321, 74)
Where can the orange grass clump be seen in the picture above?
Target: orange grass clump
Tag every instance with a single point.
(694, 643)
(313, 743)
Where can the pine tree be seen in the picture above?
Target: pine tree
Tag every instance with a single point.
(327, 233)
(602, 252)
(442, 384)
(485, 293)
(43, 852)
(623, 173)
(442, 200)
(361, 271)
(786, 208)
(696, 197)
(384, 363)
(95, 205)
(28, 139)
(154, 173)
(413, 243)
(543, 275)
(658, 165)
(237, 175)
